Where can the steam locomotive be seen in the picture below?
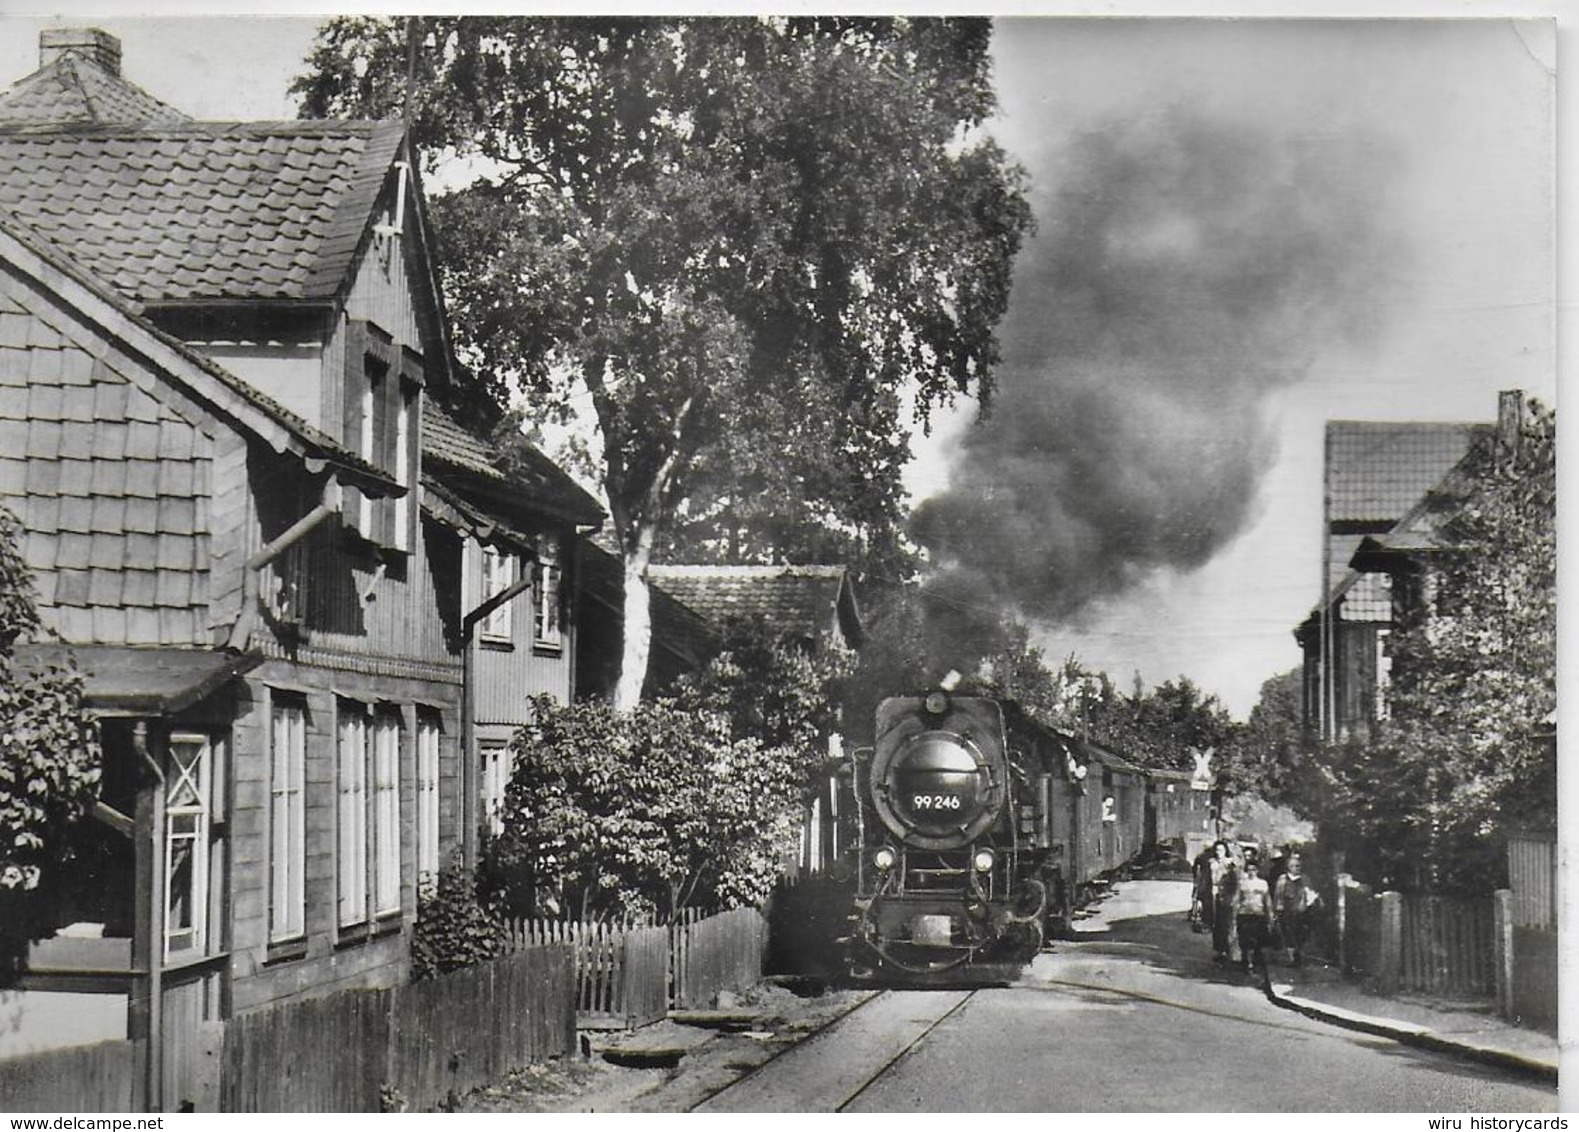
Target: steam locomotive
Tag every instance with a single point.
(980, 830)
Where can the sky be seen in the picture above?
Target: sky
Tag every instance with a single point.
(1246, 227)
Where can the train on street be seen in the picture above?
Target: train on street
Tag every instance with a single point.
(979, 831)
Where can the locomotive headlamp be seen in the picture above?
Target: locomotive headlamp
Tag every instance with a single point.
(883, 859)
(937, 702)
(983, 860)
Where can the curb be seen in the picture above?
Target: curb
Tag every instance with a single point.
(1419, 1037)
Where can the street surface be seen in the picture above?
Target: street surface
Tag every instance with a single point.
(1131, 1017)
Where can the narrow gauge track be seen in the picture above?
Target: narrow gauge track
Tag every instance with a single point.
(818, 1074)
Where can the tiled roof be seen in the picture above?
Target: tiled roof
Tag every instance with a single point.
(253, 408)
(72, 91)
(676, 627)
(803, 600)
(1377, 471)
(1378, 474)
(530, 483)
(203, 211)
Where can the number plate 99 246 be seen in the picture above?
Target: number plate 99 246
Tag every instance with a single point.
(935, 802)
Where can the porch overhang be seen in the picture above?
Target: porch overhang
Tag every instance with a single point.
(136, 682)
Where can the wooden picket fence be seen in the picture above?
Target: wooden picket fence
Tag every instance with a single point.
(410, 1047)
(105, 1077)
(620, 967)
(630, 973)
(718, 953)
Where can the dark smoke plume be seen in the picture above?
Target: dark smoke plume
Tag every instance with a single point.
(1182, 271)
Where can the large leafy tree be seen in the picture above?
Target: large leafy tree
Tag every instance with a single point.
(744, 245)
(1468, 751)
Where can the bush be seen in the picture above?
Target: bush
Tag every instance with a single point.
(453, 928)
(630, 814)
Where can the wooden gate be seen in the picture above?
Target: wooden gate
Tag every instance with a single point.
(1448, 947)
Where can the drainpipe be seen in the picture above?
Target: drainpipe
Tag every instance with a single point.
(330, 504)
(469, 623)
(156, 925)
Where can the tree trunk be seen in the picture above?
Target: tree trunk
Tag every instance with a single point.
(636, 639)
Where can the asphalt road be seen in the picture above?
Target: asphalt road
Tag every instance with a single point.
(1132, 1017)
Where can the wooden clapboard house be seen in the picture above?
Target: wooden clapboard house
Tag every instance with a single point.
(219, 348)
(521, 518)
(1381, 479)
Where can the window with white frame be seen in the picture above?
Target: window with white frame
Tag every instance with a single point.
(496, 766)
(287, 817)
(386, 813)
(428, 730)
(352, 814)
(372, 397)
(546, 629)
(368, 813)
(382, 405)
(191, 801)
(405, 424)
(498, 575)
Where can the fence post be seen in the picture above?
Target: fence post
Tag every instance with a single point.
(1391, 942)
(1344, 880)
(1502, 948)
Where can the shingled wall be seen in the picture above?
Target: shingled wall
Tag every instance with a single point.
(111, 485)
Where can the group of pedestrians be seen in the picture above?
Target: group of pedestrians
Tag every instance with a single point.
(1243, 908)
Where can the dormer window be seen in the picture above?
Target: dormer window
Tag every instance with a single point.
(382, 403)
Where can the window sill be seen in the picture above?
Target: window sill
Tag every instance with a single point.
(547, 649)
(386, 924)
(286, 950)
(496, 644)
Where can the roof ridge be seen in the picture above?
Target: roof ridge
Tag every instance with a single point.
(69, 65)
(294, 127)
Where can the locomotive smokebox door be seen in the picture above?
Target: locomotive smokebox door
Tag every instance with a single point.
(939, 771)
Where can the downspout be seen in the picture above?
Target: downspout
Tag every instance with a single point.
(469, 623)
(330, 503)
(156, 923)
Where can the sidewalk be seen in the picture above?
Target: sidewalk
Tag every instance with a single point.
(1470, 1029)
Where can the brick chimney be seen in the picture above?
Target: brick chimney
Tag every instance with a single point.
(1510, 421)
(98, 47)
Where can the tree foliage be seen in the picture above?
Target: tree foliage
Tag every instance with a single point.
(1468, 751)
(637, 813)
(744, 243)
(49, 748)
(49, 763)
(783, 695)
(1273, 748)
